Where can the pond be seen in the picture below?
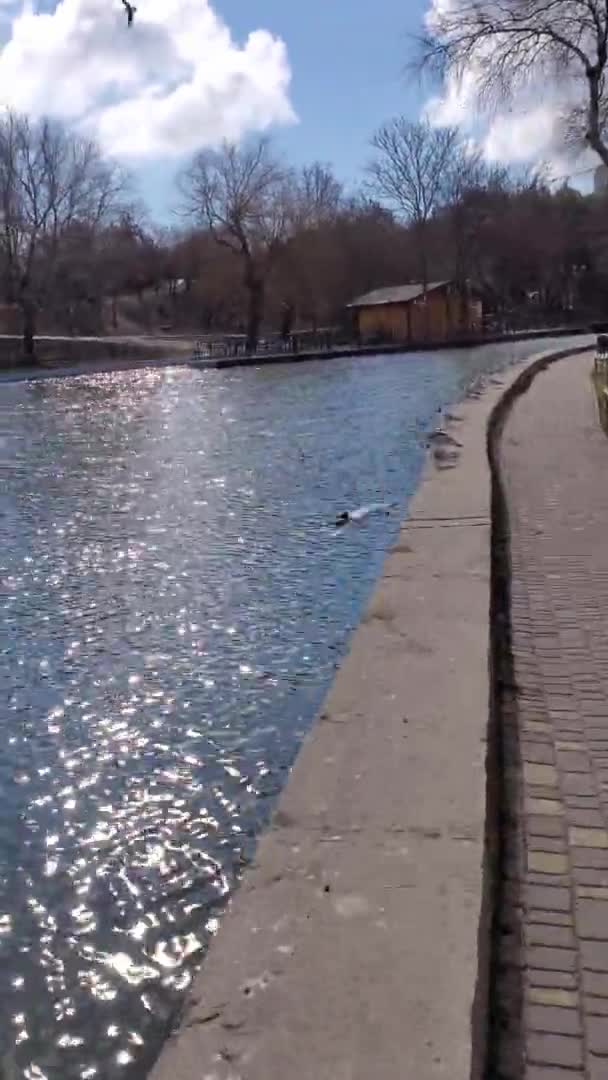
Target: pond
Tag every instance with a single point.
(174, 601)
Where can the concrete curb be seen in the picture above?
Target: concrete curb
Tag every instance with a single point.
(358, 945)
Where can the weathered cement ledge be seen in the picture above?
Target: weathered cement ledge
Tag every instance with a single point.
(358, 944)
(88, 355)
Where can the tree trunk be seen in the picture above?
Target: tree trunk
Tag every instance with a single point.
(29, 328)
(594, 127)
(255, 308)
(464, 301)
(287, 317)
(424, 275)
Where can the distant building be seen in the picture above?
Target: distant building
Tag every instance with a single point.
(413, 313)
(600, 180)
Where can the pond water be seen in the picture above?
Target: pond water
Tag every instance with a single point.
(174, 599)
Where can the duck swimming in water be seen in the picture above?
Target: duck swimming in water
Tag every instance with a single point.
(363, 512)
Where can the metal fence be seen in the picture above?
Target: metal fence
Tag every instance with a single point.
(235, 345)
(334, 339)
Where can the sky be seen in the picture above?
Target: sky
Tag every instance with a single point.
(320, 77)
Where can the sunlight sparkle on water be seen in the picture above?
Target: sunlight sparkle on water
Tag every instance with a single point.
(174, 601)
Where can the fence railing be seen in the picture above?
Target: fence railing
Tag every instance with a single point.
(235, 345)
(600, 379)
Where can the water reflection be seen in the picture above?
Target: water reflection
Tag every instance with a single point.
(174, 601)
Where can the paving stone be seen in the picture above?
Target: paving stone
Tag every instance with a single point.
(558, 701)
(584, 875)
(596, 1030)
(537, 727)
(591, 917)
(546, 826)
(560, 937)
(544, 1072)
(592, 708)
(584, 837)
(548, 898)
(541, 775)
(596, 982)
(549, 807)
(590, 858)
(588, 818)
(543, 862)
(593, 858)
(594, 955)
(570, 761)
(563, 1050)
(537, 791)
(553, 881)
(538, 842)
(546, 995)
(565, 980)
(597, 1067)
(552, 1019)
(577, 784)
(551, 959)
(595, 1006)
(582, 802)
(540, 753)
(549, 918)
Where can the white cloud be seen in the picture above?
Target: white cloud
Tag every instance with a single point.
(525, 130)
(523, 137)
(173, 82)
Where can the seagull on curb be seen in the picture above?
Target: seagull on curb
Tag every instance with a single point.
(443, 438)
(130, 10)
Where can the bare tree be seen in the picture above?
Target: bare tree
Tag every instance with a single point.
(318, 196)
(50, 181)
(316, 200)
(504, 45)
(414, 171)
(241, 195)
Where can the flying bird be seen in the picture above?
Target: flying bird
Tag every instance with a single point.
(130, 10)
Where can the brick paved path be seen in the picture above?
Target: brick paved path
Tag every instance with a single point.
(554, 466)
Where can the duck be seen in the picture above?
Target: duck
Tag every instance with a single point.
(363, 512)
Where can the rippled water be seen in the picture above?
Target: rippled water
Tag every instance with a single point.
(174, 600)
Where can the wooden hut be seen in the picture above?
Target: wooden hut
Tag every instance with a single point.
(414, 313)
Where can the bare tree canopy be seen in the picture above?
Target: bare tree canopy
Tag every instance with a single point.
(414, 167)
(318, 195)
(240, 193)
(50, 181)
(416, 170)
(505, 44)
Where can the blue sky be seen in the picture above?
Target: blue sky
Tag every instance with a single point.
(347, 61)
(322, 76)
